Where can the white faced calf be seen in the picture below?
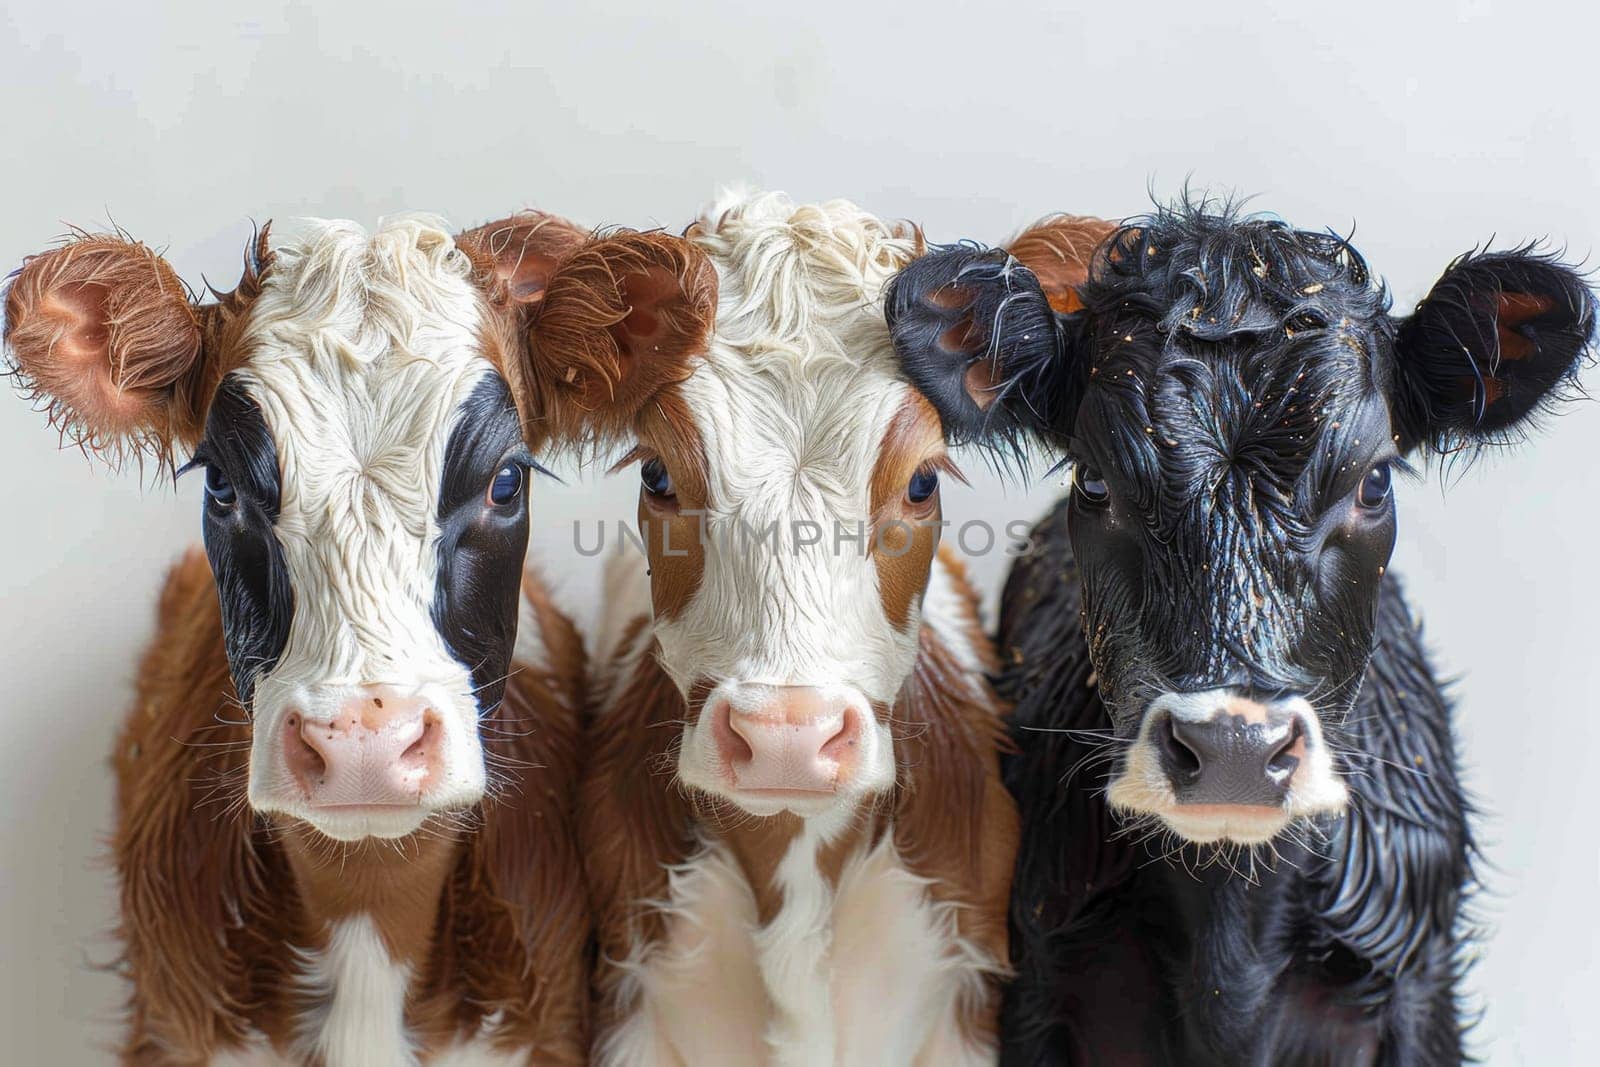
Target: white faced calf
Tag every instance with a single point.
(358, 406)
(797, 841)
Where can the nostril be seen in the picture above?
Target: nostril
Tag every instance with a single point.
(730, 742)
(305, 760)
(837, 747)
(416, 754)
(1181, 759)
(1285, 758)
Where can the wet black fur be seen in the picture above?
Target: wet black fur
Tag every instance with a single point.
(1231, 380)
(1003, 307)
(1338, 947)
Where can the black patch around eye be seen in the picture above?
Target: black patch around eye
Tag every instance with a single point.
(481, 547)
(246, 559)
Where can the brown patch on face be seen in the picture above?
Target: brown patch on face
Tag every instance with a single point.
(107, 333)
(954, 822)
(211, 902)
(905, 534)
(1059, 251)
(673, 530)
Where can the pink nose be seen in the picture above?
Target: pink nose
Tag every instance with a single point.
(800, 741)
(381, 748)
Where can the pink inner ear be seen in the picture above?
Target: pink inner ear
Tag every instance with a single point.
(981, 381)
(527, 248)
(82, 371)
(528, 277)
(949, 298)
(958, 337)
(79, 312)
(642, 322)
(1511, 311)
(641, 329)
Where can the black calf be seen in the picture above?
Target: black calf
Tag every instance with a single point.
(1336, 944)
(1244, 841)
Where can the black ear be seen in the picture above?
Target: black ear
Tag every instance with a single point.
(1499, 339)
(976, 334)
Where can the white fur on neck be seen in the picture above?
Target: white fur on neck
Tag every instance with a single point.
(359, 1000)
(871, 972)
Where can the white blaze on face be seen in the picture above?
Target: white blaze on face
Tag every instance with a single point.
(359, 351)
(792, 404)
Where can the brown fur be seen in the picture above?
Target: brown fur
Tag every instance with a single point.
(621, 320)
(522, 252)
(673, 531)
(106, 333)
(633, 819)
(952, 820)
(104, 330)
(213, 900)
(1058, 251)
(905, 535)
(674, 542)
(515, 258)
(583, 330)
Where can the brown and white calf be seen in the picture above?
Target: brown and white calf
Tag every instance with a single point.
(345, 827)
(798, 845)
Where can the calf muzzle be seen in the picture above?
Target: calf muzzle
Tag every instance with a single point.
(381, 749)
(797, 739)
(1224, 748)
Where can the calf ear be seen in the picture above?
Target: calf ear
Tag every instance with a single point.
(990, 336)
(1059, 251)
(621, 319)
(105, 333)
(1498, 339)
(523, 252)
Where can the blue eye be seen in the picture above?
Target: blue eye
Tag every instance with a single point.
(923, 485)
(1375, 487)
(218, 489)
(653, 475)
(1091, 486)
(507, 485)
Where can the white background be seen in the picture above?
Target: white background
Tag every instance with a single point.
(1433, 126)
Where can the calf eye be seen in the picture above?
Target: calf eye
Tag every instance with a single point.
(1375, 487)
(507, 485)
(1090, 485)
(653, 474)
(923, 485)
(218, 489)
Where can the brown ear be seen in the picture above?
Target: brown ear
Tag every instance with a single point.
(105, 332)
(1059, 250)
(621, 319)
(523, 251)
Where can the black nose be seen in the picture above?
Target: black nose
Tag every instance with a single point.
(1229, 760)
